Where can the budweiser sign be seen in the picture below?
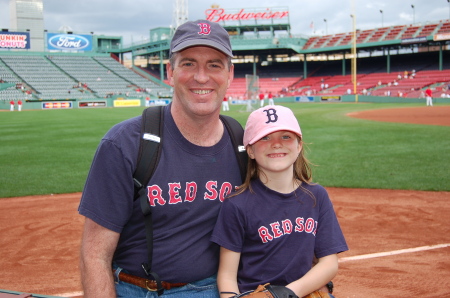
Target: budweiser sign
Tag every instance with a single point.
(219, 14)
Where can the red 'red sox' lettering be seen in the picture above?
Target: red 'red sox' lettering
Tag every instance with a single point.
(191, 191)
(211, 188)
(299, 224)
(265, 234)
(286, 227)
(175, 192)
(277, 233)
(154, 195)
(225, 190)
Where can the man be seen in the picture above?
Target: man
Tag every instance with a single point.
(197, 168)
(429, 96)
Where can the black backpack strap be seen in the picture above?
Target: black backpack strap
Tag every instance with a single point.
(237, 138)
(149, 147)
(148, 158)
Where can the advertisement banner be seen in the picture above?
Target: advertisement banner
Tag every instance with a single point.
(57, 105)
(92, 104)
(304, 99)
(330, 98)
(441, 36)
(69, 42)
(414, 40)
(127, 103)
(14, 40)
(242, 16)
(159, 102)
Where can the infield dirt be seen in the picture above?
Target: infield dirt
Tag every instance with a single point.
(41, 235)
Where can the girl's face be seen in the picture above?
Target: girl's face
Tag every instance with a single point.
(276, 152)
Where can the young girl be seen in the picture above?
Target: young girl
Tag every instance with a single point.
(278, 223)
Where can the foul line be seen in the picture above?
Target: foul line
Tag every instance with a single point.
(346, 259)
(394, 252)
(73, 294)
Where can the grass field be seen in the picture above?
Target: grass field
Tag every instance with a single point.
(45, 152)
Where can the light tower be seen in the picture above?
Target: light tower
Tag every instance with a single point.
(180, 13)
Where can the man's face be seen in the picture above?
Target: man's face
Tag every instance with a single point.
(200, 77)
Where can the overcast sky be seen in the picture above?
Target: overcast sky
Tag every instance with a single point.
(133, 19)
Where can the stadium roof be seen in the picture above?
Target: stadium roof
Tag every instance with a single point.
(272, 39)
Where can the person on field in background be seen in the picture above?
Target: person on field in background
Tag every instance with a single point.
(270, 97)
(261, 99)
(197, 168)
(225, 105)
(429, 96)
(278, 223)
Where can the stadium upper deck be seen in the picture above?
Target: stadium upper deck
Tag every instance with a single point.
(385, 36)
(283, 43)
(265, 50)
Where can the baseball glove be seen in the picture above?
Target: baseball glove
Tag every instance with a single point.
(318, 294)
(268, 291)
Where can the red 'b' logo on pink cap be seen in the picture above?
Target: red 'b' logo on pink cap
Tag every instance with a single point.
(205, 29)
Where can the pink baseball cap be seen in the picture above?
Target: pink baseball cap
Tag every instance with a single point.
(267, 120)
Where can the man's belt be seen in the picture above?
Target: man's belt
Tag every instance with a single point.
(147, 284)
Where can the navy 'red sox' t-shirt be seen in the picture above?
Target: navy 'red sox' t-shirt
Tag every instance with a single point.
(278, 234)
(185, 192)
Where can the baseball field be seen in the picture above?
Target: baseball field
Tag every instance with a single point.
(386, 167)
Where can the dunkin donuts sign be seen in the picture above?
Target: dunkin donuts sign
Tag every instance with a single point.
(14, 40)
(275, 14)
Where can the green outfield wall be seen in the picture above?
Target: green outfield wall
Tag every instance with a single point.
(360, 99)
(137, 102)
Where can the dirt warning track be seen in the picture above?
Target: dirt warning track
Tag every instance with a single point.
(399, 240)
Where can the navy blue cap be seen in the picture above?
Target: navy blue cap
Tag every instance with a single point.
(201, 33)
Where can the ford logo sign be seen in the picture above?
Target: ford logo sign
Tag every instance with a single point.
(64, 42)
